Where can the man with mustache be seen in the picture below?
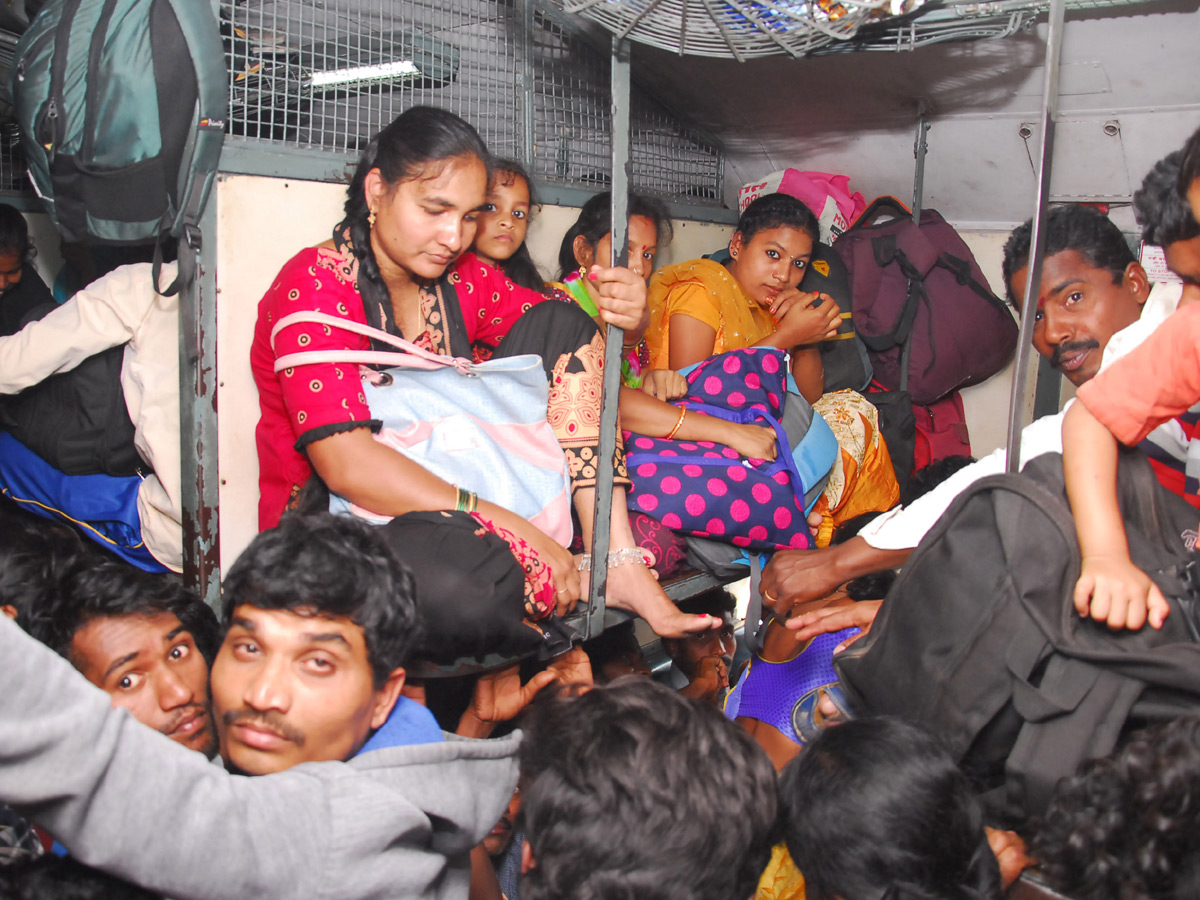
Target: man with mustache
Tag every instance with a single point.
(1095, 302)
(311, 664)
(321, 619)
(144, 639)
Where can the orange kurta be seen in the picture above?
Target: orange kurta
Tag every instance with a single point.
(704, 290)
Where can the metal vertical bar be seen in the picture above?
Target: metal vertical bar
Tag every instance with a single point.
(198, 414)
(614, 338)
(920, 149)
(1033, 276)
(525, 83)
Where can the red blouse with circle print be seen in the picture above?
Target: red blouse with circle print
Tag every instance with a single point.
(310, 402)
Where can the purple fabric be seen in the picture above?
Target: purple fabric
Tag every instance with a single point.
(769, 691)
(669, 549)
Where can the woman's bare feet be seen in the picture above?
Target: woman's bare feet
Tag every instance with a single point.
(634, 589)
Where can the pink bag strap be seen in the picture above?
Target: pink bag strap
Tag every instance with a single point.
(413, 357)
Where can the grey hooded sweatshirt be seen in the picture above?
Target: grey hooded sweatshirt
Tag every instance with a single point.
(391, 823)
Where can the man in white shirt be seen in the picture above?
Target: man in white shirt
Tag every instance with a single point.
(1095, 304)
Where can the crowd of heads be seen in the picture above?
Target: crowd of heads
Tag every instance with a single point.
(629, 789)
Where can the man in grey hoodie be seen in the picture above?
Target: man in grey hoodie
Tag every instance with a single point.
(397, 819)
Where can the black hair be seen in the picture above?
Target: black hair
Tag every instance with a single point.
(595, 221)
(612, 644)
(519, 267)
(35, 555)
(1128, 825)
(715, 601)
(1070, 226)
(1160, 208)
(1189, 163)
(108, 588)
(419, 137)
(52, 877)
(877, 805)
(634, 791)
(14, 233)
(330, 566)
(777, 211)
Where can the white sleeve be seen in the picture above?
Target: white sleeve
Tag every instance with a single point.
(104, 314)
(902, 528)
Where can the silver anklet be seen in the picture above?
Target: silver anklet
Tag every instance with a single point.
(626, 556)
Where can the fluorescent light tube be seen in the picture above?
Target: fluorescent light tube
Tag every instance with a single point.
(355, 75)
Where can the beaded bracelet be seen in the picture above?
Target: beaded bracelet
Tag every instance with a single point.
(670, 434)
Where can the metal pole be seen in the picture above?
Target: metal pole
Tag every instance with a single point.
(613, 339)
(198, 415)
(1033, 278)
(525, 84)
(920, 148)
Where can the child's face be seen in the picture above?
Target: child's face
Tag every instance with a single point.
(503, 219)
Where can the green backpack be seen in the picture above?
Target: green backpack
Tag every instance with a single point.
(122, 107)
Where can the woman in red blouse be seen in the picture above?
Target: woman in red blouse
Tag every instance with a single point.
(396, 262)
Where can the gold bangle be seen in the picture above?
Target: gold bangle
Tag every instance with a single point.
(670, 434)
(464, 500)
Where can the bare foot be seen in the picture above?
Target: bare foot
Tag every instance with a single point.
(634, 589)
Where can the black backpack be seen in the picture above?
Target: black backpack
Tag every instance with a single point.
(978, 639)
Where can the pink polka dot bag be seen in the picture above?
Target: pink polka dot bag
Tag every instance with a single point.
(708, 490)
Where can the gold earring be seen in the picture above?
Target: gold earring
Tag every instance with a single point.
(371, 219)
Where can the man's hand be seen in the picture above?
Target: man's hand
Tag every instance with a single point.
(832, 619)
(711, 678)
(799, 576)
(572, 667)
(499, 696)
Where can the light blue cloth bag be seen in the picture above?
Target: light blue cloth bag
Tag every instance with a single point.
(481, 426)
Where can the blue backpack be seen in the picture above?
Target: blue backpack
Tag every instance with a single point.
(122, 107)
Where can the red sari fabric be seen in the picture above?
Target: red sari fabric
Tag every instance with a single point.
(311, 402)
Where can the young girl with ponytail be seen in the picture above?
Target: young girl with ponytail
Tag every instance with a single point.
(397, 262)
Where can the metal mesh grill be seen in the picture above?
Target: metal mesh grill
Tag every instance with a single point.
(745, 29)
(331, 74)
(741, 29)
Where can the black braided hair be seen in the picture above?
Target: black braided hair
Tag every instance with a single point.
(418, 137)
